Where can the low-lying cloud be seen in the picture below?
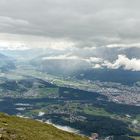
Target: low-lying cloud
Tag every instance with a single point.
(124, 62)
(94, 62)
(136, 45)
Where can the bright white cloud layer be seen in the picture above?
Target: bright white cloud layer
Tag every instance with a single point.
(124, 62)
(137, 45)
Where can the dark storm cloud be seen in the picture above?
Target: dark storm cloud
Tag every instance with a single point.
(94, 22)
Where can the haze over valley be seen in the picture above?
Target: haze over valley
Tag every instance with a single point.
(71, 64)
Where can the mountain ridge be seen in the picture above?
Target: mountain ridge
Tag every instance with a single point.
(15, 128)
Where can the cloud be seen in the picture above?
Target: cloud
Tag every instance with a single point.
(97, 66)
(40, 114)
(72, 57)
(64, 128)
(22, 48)
(61, 57)
(4, 45)
(98, 22)
(28, 41)
(94, 32)
(95, 59)
(136, 45)
(13, 25)
(8, 21)
(124, 62)
(96, 63)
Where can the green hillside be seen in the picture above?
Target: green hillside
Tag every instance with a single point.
(14, 128)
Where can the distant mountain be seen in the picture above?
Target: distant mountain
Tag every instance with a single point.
(61, 67)
(20, 54)
(3, 56)
(109, 75)
(14, 128)
(6, 63)
(81, 69)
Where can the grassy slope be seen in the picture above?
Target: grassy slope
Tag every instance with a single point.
(14, 128)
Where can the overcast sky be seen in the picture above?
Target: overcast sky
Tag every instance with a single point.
(91, 21)
(71, 23)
